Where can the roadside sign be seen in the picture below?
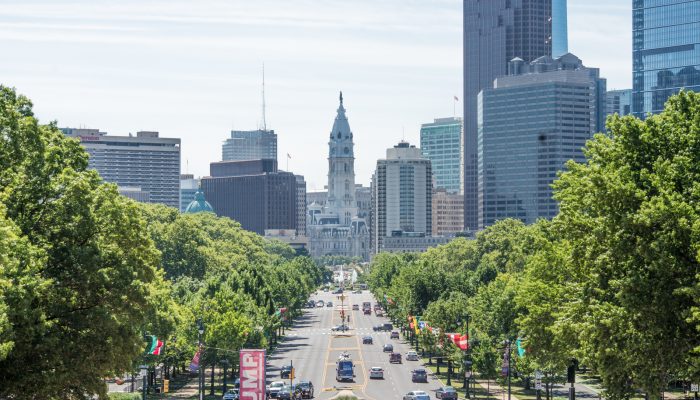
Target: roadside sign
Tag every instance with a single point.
(538, 384)
(538, 374)
(694, 387)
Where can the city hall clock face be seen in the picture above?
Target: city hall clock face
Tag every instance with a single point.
(346, 150)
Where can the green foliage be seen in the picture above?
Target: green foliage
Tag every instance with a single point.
(80, 273)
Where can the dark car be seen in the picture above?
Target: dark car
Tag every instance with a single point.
(388, 348)
(395, 358)
(394, 335)
(419, 375)
(285, 393)
(237, 383)
(377, 328)
(285, 371)
(446, 392)
(329, 304)
(387, 327)
(367, 340)
(305, 389)
(367, 311)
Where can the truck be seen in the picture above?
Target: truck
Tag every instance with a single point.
(344, 370)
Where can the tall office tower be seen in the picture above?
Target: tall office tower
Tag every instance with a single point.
(402, 195)
(495, 32)
(618, 102)
(441, 142)
(363, 197)
(253, 193)
(334, 228)
(560, 30)
(530, 124)
(448, 213)
(665, 52)
(188, 187)
(143, 163)
(301, 205)
(250, 145)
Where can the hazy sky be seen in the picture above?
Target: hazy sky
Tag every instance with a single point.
(192, 69)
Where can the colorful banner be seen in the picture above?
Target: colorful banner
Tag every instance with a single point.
(155, 347)
(194, 365)
(461, 341)
(252, 374)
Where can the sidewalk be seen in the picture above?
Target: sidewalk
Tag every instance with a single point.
(494, 389)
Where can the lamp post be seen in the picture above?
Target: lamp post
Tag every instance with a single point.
(200, 329)
(144, 371)
(224, 362)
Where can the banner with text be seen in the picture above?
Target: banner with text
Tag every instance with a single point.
(252, 366)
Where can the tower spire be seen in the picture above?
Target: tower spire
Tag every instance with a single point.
(341, 97)
(264, 123)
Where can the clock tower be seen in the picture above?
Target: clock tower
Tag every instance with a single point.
(341, 169)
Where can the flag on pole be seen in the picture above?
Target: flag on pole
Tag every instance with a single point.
(155, 347)
(194, 365)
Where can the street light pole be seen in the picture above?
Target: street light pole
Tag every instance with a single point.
(144, 369)
(200, 329)
(509, 371)
(224, 362)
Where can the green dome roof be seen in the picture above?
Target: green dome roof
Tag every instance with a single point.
(199, 204)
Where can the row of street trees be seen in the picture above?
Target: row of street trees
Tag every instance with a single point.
(85, 273)
(613, 281)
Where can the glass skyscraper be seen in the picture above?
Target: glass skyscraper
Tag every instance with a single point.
(530, 124)
(250, 145)
(560, 34)
(440, 142)
(665, 51)
(495, 32)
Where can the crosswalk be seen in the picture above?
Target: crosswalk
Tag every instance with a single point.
(328, 331)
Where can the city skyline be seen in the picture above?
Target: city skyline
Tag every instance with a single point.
(201, 85)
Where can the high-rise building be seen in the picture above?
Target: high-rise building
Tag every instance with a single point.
(448, 213)
(618, 102)
(441, 143)
(401, 195)
(301, 205)
(334, 229)
(560, 30)
(530, 124)
(363, 198)
(188, 188)
(145, 161)
(495, 32)
(665, 51)
(250, 145)
(253, 193)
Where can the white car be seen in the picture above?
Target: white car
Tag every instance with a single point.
(411, 356)
(416, 395)
(376, 373)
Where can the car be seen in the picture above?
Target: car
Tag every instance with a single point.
(387, 327)
(237, 383)
(285, 372)
(231, 394)
(377, 328)
(367, 340)
(395, 358)
(419, 375)
(411, 356)
(329, 304)
(305, 389)
(367, 311)
(274, 388)
(394, 335)
(388, 348)
(416, 395)
(338, 291)
(376, 373)
(285, 393)
(340, 328)
(355, 307)
(325, 289)
(447, 393)
(320, 303)
(358, 291)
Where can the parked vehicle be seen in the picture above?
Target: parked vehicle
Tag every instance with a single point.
(344, 370)
(320, 303)
(305, 389)
(376, 373)
(395, 358)
(274, 388)
(231, 394)
(355, 307)
(388, 348)
(379, 312)
(416, 395)
(367, 340)
(446, 393)
(394, 335)
(419, 375)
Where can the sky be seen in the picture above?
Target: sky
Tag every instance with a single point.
(193, 69)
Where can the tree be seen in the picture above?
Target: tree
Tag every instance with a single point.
(631, 216)
(82, 268)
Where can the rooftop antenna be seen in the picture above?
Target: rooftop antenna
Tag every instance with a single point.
(403, 133)
(264, 123)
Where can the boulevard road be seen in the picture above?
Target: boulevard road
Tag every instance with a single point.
(313, 349)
